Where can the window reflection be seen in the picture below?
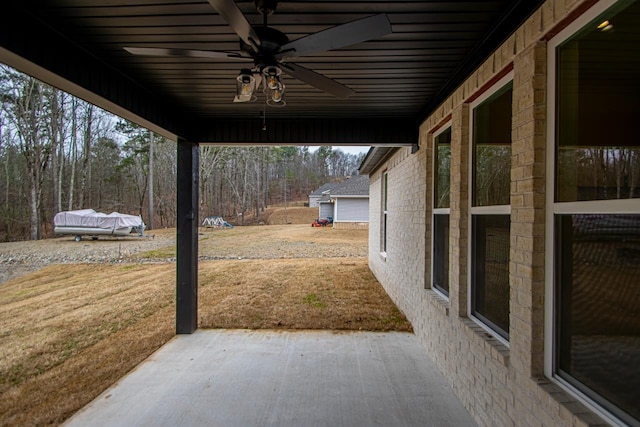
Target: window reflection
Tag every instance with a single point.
(441, 253)
(597, 134)
(492, 149)
(442, 195)
(443, 167)
(599, 310)
(490, 293)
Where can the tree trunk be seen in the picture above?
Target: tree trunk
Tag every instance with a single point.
(34, 217)
(74, 152)
(60, 175)
(85, 196)
(56, 133)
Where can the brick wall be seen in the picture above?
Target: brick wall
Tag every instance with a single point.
(404, 263)
(498, 384)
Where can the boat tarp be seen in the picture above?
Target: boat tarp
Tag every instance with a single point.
(92, 219)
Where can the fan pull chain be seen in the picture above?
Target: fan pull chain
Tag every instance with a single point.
(264, 115)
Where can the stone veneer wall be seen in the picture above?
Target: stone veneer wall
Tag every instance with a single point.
(499, 385)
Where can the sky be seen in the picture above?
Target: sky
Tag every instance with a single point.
(353, 150)
(347, 149)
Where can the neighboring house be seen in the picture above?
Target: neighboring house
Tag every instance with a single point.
(347, 203)
(511, 237)
(351, 203)
(315, 197)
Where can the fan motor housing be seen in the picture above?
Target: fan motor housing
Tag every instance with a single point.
(272, 40)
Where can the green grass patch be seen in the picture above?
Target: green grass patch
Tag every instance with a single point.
(162, 253)
(314, 301)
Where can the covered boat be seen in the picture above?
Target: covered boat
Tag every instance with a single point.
(87, 222)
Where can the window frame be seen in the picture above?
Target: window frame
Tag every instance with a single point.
(481, 210)
(438, 211)
(384, 213)
(554, 209)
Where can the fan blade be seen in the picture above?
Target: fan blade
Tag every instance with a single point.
(232, 14)
(211, 54)
(318, 80)
(340, 36)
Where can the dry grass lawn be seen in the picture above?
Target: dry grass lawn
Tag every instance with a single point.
(67, 332)
(294, 213)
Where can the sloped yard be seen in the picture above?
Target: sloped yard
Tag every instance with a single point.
(69, 330)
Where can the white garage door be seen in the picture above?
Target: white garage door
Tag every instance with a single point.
(352, 210)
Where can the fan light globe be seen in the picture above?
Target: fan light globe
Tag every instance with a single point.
(245, 83)
(272, 76)
(278, 104)
(277, 93)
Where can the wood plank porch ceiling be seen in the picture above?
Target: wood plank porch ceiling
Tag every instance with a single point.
(399, 78)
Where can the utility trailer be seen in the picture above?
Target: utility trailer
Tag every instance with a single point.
(87, 222)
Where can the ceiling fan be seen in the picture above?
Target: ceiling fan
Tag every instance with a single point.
(270, 51)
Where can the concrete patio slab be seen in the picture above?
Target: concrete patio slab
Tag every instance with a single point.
(281, 378)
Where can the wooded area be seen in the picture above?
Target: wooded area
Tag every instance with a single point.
(61, 153)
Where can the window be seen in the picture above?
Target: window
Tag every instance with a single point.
(490, 207)
(383, 228)
(440, 223)
(594, 217)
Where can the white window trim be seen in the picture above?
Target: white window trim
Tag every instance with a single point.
(481, 210)
(384, 226)
(595, 206)
(437, 211)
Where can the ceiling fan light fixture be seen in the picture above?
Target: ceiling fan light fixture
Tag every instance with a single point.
(277, 104)
(245, 84)
(275, 95)
(272, 76)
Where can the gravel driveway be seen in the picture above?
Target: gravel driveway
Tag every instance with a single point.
(17, 258)
(266, 242)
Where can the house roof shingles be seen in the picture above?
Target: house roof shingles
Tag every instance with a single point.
(325, 187)
(355, 186)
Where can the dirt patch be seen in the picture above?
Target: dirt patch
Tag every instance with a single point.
(73, 328)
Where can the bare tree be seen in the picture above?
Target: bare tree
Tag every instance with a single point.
(73, 151)
(85, 175)
(59, 150)
(24, 99)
